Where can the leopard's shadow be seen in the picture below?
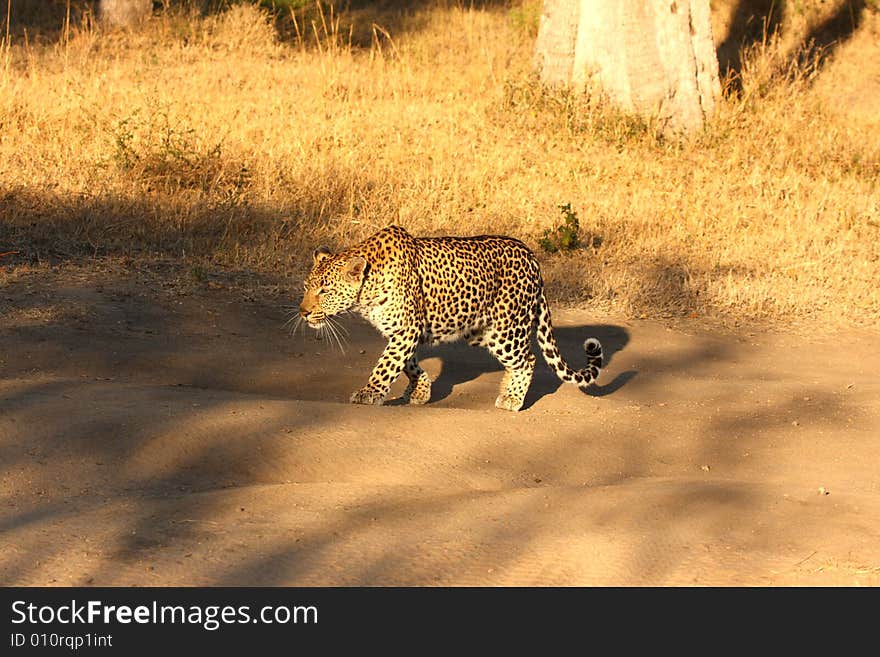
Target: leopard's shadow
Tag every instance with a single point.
(462, 363)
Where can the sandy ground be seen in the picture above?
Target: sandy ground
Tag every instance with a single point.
(152, 434)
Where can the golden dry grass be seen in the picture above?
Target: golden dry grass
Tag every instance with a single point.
(225, 140)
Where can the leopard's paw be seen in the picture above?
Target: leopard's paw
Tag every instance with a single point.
(508, 403)
(368, 396)
(418, 392)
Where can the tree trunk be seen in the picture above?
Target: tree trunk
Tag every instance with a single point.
(124, 13)
(652, 57)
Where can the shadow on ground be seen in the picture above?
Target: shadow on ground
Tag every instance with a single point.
(462, 364)
(156, 434)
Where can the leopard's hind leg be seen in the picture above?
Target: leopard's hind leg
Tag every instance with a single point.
(510, 344)
(419, 389)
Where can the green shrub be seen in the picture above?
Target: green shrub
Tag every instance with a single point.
(565, 237)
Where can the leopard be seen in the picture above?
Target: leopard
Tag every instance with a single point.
(486, 290)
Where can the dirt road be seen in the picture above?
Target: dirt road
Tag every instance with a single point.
(155, 436)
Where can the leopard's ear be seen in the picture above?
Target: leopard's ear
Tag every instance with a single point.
(321, 253)
(355, 268)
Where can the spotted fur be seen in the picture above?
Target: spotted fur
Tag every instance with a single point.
(486, 290)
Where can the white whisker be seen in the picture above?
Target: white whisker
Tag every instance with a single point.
(334, 336)
(333, 329)
(297, 322)
(341, 327)
(337, 326)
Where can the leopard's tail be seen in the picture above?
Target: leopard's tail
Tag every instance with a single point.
(547, 342)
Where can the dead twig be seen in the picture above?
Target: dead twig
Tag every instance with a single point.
(805, 559)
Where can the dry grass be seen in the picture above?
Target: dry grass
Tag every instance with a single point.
(226, 140)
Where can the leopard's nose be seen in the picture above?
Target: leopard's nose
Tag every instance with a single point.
(303, 312)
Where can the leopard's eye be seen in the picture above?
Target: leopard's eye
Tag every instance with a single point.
(322, 291)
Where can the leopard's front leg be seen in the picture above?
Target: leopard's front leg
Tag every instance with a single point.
(401, 347)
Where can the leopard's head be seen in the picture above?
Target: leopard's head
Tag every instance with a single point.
(332, 286)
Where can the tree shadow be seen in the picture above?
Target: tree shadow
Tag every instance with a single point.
(360, 22)
(757, 21)
(824, 39)
(45, 227)
(665, 528)
(45, 20)
(752, 22)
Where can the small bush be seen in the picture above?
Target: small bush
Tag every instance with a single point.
(565, 237)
